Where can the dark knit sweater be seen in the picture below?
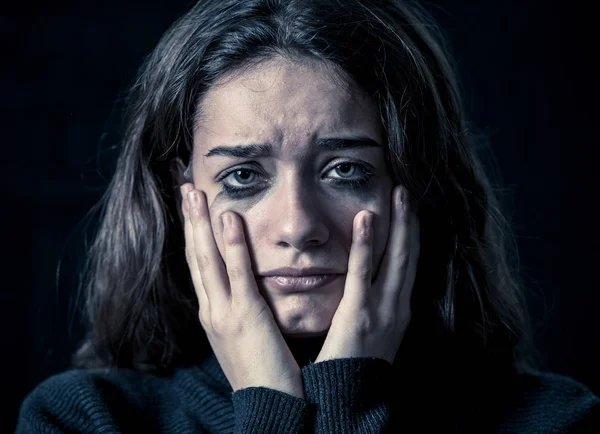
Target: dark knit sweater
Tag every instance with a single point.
(341, 396)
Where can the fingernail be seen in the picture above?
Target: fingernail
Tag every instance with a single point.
(186, 205)
(226, 220)
(192, 197)
(185, 189)
(368, 221)
(397, 197)
(403, 196)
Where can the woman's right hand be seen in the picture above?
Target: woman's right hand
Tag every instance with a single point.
(238, 322)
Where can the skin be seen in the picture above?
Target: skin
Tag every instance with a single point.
(298, 219)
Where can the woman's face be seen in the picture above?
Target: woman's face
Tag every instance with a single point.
(297, 201)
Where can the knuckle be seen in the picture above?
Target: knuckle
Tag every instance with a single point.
(402, 259)
(235, 274)
(404, 317)
(217, 326)
(203, 262)
(362, 272)
(234, 238)
(365, 323)
(226, 327)
(387, 325)
(204, 317)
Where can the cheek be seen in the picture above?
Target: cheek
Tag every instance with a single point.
(258, 228)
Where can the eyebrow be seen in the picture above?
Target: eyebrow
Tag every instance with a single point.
(260, 150)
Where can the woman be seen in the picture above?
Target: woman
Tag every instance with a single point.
(299, 237)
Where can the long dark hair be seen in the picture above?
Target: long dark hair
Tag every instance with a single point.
(468, 303)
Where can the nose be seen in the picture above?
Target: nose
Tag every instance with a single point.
(297, 219)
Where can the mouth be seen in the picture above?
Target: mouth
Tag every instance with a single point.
(299, 283)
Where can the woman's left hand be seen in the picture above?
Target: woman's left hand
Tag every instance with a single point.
(372, 317)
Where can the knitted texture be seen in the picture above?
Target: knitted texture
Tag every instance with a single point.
(341, 396)
(350, 395)
(548, 403)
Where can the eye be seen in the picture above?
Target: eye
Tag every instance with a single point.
(240, 182)
(349, 178)
(242, 176)
(345, 169)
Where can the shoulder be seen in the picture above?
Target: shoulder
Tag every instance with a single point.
(103, 384)
(85, 400)
(548, 402)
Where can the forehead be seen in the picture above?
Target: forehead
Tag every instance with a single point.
(284, 103)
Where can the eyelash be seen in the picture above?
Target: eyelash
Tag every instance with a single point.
(359, 183)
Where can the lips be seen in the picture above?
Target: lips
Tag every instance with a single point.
(300, 272)
(299, 283)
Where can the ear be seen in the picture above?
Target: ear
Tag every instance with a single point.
(178, 177)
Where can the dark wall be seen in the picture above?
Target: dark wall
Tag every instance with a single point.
(526, 73)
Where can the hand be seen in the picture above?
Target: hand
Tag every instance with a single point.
(371, 318)
(238, 322)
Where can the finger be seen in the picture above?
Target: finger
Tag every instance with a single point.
(237, 259)
(206, 253)
(358, 278)
(395, 263)
(189, 254)
(415, 251)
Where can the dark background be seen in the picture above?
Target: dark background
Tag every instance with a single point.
(526, 70)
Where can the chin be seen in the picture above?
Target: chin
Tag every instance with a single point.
(297, 318)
